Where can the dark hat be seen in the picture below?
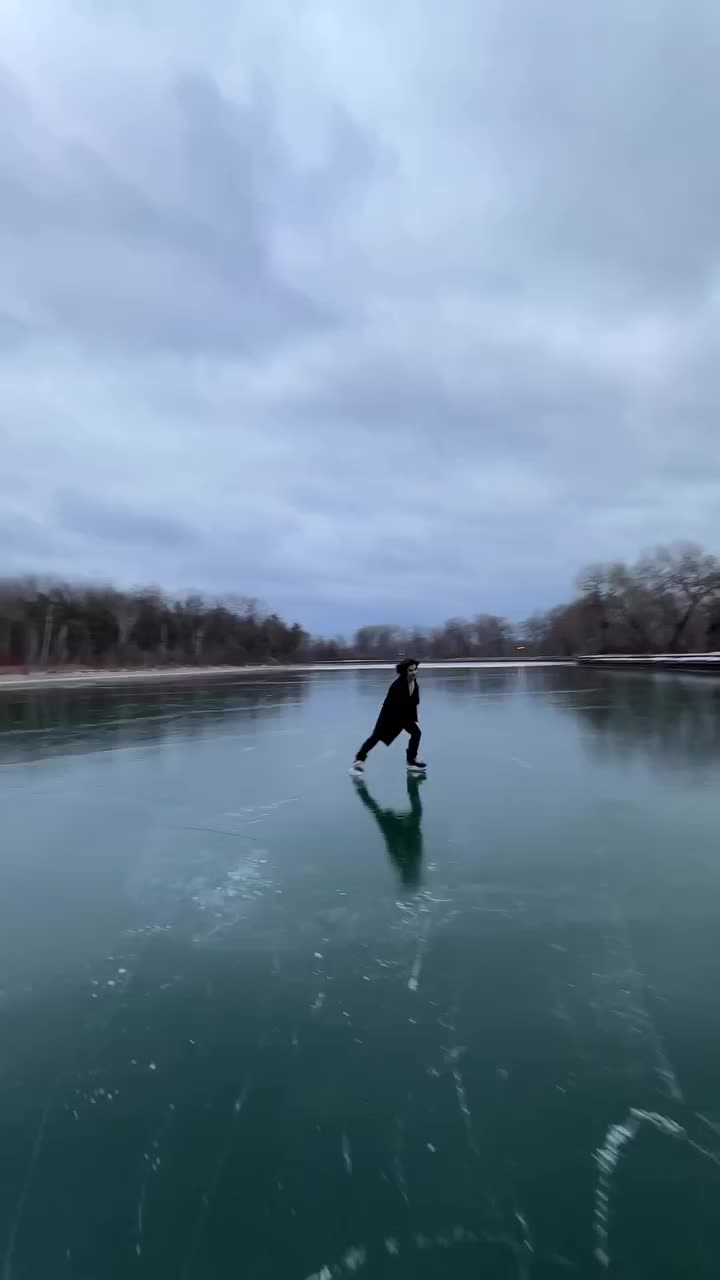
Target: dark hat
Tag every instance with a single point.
(402, 667)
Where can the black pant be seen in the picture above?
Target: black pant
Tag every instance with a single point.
(413, 744)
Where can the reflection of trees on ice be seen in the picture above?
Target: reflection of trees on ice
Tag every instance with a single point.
(670, 723)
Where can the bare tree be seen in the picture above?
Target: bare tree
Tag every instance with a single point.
(679, 580)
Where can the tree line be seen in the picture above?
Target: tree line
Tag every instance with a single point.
(666, 601)
(50, 624)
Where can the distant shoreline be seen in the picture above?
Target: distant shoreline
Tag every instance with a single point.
(20, 681)
(699, 663)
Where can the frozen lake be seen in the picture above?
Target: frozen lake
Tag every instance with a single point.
(260, 1023)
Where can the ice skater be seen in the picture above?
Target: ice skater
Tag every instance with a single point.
(399, 713)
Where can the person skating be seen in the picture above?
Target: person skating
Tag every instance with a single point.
(398, 714)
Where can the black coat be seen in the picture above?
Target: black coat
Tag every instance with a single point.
(399, 710)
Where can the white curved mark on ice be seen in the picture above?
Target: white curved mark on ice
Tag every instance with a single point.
(357, 1256)
(608, 1155)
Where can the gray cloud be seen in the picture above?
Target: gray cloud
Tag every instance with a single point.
(98, 258)
(394, 317)
(79, 513)
(602, 118)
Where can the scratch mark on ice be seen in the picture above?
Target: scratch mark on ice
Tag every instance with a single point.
(527, 1239)
(400, 1180)
(414, 978)
(710, 1124)
(347, 1157)
(607, 1157)
(22, 1198)
(446, 1240)
(151, 1165)
(623, 996)
(140, 1211)
(454, 1237)
(526, 1248)
(214, 1183)
(464, 1108)
(452, 1059)
(354, 1259)
(522, 763)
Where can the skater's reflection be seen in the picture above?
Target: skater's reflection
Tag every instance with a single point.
(402, 831)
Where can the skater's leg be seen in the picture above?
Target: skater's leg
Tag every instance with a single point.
(414, 743)
(366, 747)
(357, 768)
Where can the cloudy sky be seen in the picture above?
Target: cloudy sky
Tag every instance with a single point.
(376, 311)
